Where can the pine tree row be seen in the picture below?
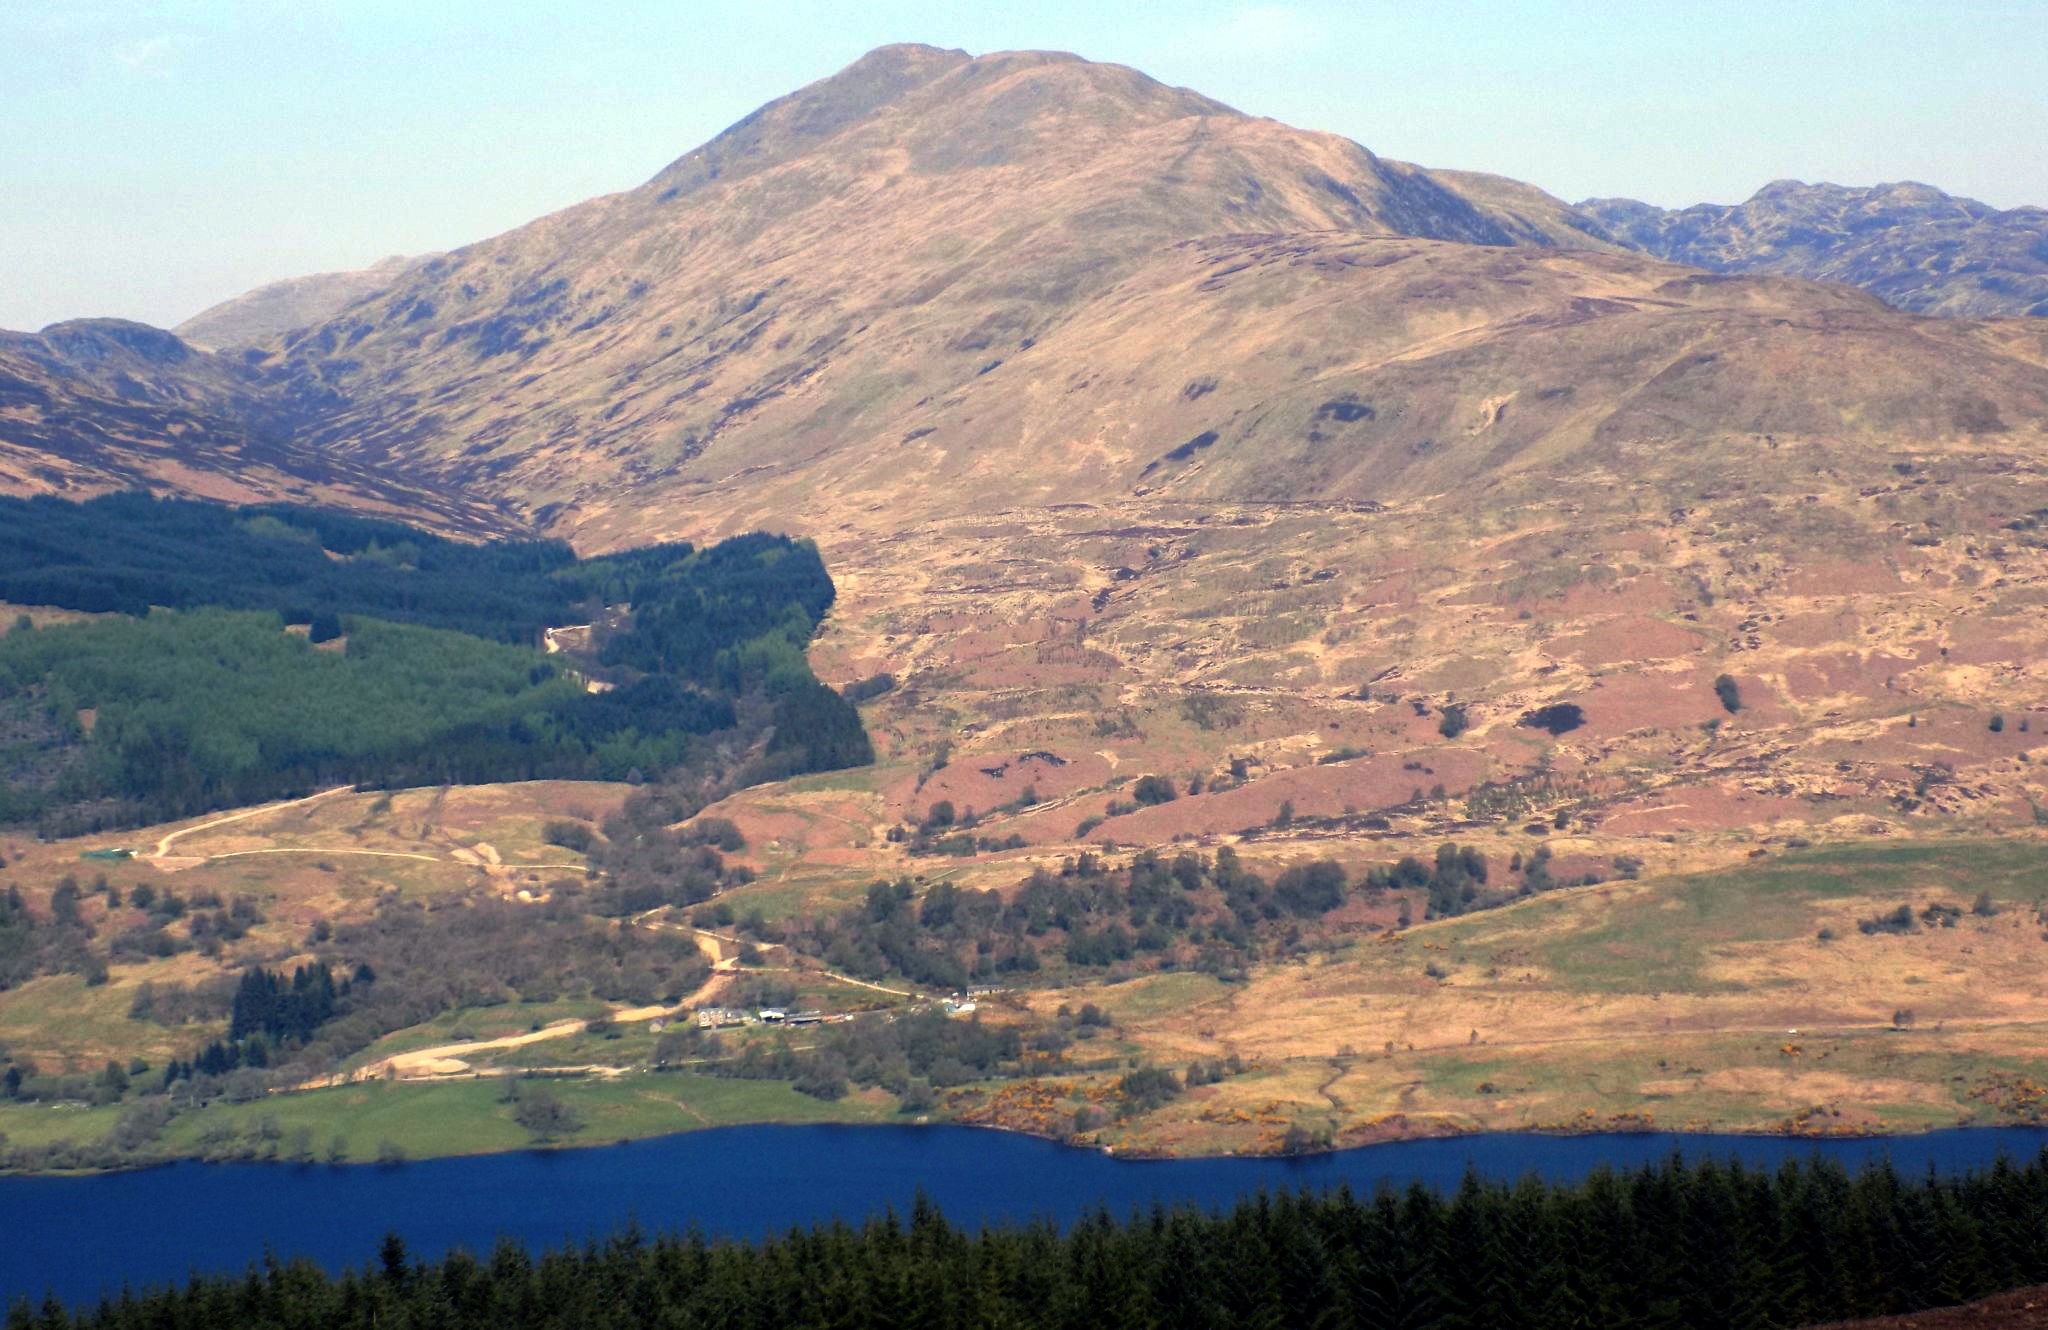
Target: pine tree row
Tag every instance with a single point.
(1674, 1246)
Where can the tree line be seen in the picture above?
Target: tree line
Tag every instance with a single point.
(1677, 1245)
(1188, 910)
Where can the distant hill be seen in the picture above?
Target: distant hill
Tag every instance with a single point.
(1160, 450)
(275, 308)
(1910, 245)
(96, 404)
(953, 283)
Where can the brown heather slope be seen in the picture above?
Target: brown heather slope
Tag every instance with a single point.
(2021, 1309)
(1101, 396)
(812, 279)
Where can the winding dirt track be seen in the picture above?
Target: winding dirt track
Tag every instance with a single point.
(162, 857)
(163, 845)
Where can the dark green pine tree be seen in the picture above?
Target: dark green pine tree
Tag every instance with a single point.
(1810, 1255)
(1182, 1285)
(1961, 1263)
(1656, 1287)
(1244, 1268)
(1388, 1275)
(1301, 1260)
(1470, 1266)
(1711, 1290)
(1596, 1229)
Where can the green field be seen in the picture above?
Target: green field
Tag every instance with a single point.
(453, 1117)
(1658, 936)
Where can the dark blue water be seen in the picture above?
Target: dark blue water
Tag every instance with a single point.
(80, 1237)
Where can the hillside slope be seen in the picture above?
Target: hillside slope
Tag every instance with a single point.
(275, 308)
(1100, 397)
(1193, 483)
(93, 405)
(1909, 244)
(879, 240)
(874, 300)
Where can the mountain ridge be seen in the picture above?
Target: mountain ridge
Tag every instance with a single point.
(1910, 244)
(90, 405)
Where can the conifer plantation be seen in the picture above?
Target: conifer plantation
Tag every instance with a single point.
(415, 659)
(1690, 1245)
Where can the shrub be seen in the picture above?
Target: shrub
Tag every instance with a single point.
(717, 831)
(1898, 921)
(546, 1115)
(1557, 718)
(1938, 915)
(1454, 721)
(1152, 790)
(1145, 1089)
(869, 688)
(1729, 692)
(569, 835)
(1311, 889)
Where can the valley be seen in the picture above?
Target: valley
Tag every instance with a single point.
(1190, 487)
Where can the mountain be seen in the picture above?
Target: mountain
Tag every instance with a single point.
(882, 293)
(1151, 435)
(1911, 245)
(98, 404)
(275, 308)
(840, 261)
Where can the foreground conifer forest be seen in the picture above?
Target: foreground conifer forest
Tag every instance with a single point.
(1683, 1244)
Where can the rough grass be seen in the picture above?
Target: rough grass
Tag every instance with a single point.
(1660, 937)
(86, 1026)
(478, 1023)
(1698, 1002)
(1158, 995)
(468, 1117)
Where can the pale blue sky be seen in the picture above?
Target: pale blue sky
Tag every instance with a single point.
(158, 155)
